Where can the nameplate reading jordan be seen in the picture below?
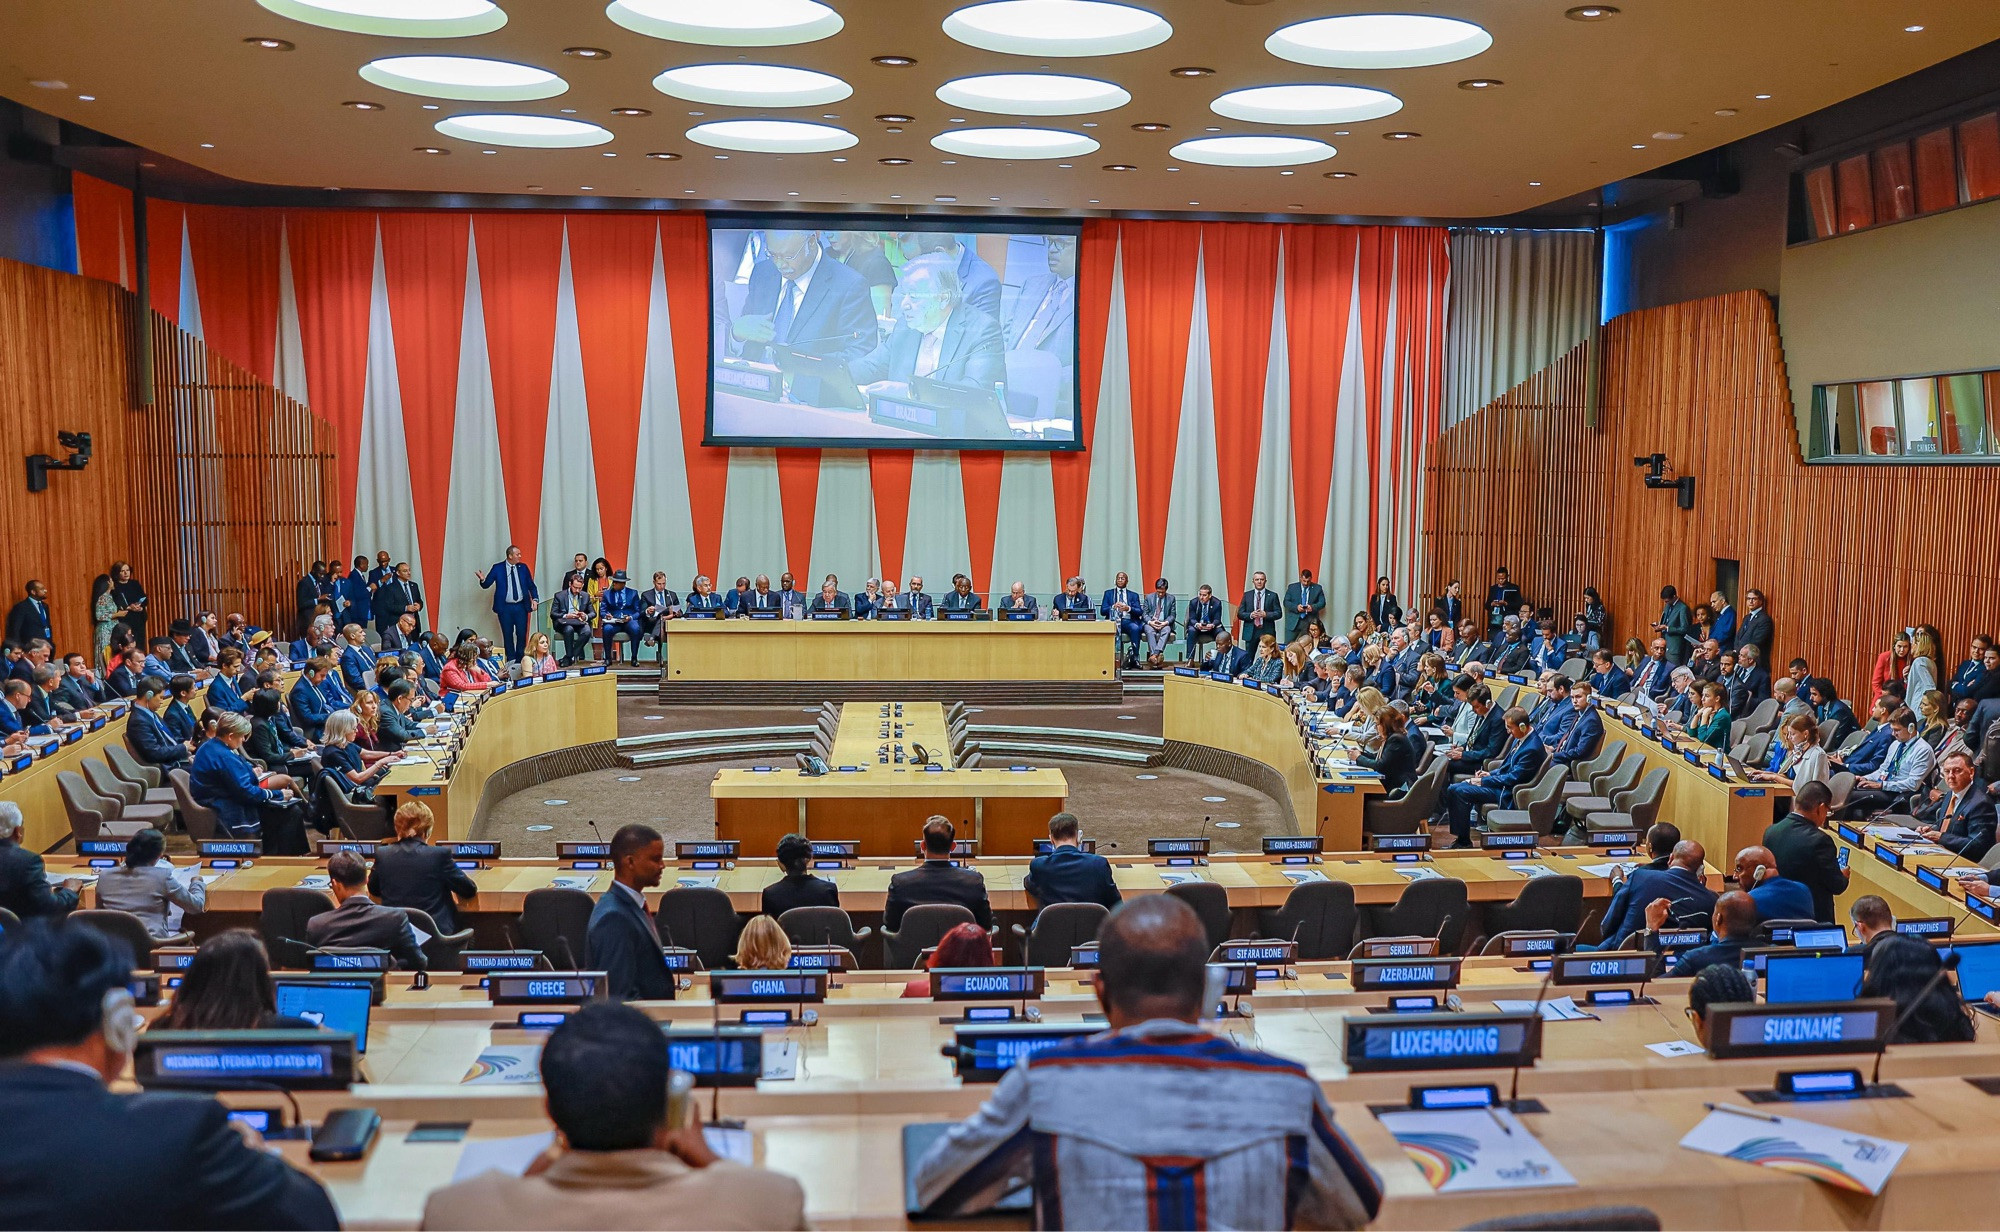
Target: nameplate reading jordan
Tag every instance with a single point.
(987, 983)
(221, 1060)
(707, 849)
(1442, 1041)
(1387, 974)
(1607, 967)
(738, 987)
(546, 987)
(1749, 1030)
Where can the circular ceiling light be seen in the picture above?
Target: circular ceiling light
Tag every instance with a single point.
(1254, 151)
(468, 77)
(1057, 27)
(772, 136)
(664, 155)
(362, 104)
(397, 18)
(587, 53)
(1191, 70)
(1378, 40)
(1306, 104)
(1014, 143)
(743, 23)
(1591, 12)
(1341, 175)
(1033, 94)
(752, 85)
(270, 44)
(531, 131)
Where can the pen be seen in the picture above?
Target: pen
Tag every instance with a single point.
(1495, 1114)
(1733, 1110)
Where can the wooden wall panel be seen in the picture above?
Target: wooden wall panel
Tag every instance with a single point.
(215, 493)
(1846, 553)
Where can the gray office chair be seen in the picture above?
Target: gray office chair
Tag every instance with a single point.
(824, 926)
(200, 821)
(1211, 902)
(1842, 786)
(702, 919)
(282, 924)
(130, 931)
(1609, 755)
(92, 816)
(443, 951)
(1534, 806)
(1059, 928)
(557, 922)
(923, 927)
(132, 770)
(1404, 813)
(1596, 797)
(1319, 915)
(1630, 810)
(1764, 715)
(367, 821)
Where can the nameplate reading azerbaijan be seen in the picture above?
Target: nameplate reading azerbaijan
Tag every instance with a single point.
(1442, 1041)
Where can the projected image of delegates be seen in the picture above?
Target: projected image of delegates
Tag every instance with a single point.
(939, 338)
(802, 312)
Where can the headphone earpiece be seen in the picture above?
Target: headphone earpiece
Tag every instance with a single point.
(121, 1021)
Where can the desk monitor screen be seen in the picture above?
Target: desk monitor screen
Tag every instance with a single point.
(736, 987)
(221, 1060)
(1802, 1029)
(1829, 936)
(986, 983)
(1608, 967)
(1978, 970)
(1397, 974)
(545, 987)
(986, 1051)
(335, 1007)
(721, 1056)
(1441, 1041)
(804, 374)
(1793, 978)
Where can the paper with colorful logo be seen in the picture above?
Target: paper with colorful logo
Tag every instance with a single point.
(1475, 1148)
(1832, 1156)
(506, 1065)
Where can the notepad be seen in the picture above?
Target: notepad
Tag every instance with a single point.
(1483, 1148)
(1300, 876)
(315, 881)
(1553, 1009)
(572, 883)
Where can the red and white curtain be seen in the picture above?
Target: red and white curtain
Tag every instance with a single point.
(1254, 396)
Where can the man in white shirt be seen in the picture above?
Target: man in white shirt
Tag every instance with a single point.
(937, 334)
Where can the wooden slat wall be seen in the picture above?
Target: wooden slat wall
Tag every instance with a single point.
(215, 493)
(1847, 554)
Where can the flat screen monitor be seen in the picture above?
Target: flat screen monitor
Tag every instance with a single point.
(1978, 970)
(335, 1007)
(1792, 978)
(837, 332)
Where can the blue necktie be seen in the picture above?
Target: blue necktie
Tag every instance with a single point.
(788, 308)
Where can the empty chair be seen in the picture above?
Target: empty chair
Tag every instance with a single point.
(1059, 928)
(130, 767)
(1575, 669)
(199, 820)
(282, 923)
(1853, 741)
(130, 931)
(1764, 715)
(1756, 749)
(92, 816)
(954, 712)
(1534, 805)
(1842, 786)
(1630, 810)
(1497, 943)
(1434, 907)
(702, 919)
(1596, 797)
(557, 922)
(150, 791)
(367, 821)
(1506, 697)
(824, 926)
(1550, 903)
(1609, 755)
(971, 761)
(1827, 730)
(1402, 815)
(1211, 902)
(443, 951)
(1739, 729)
(923, 927)
(1319, 915)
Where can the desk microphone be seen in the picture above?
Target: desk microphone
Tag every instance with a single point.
(1946, 965)
(1514, 1083)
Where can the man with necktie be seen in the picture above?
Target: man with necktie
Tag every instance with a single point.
(922, 607)
(761, 597)
(1452, 605)
(1156, 619)
(1962, 816)
(1258, 612)
(1019, 604)
(1121, 604)
(1072, 598)
(398, 595)
(792, 600)
(618, 611)
(571, 612)
(1305, 602)
(1654, 672)
(29, 618)
(795, 301)
(1204, 621)
(1229, 659)
(656, 607)
(514, 600)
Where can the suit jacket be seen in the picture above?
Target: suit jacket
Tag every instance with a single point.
(835, 318)
(202, 647)
(936, 881)
(1005, 603)
(1132, 600)
(569, 605)
(149, 893)
(310, 706)
(1755, 630)
(1067, 602)
(357, 667)
(1453, 610)
(25, 891)
(40, 709)
(1678, 622)
(1384, 610)
(1807, 854)
(970, 353)
(1204, 612)
(223, 695)
(1687, 892)
(412, 873)
(1313, 596)
(1071, 875)
(1271, 605)
(26, 620)
(391, 597)
(1157, 606)
(224, 780)
(362, 923)
(73, 694)
(496, 581)
(1581, 740)
(967, 602)
(841, 602)
(804, 890)
(1723, 628)
(1655, 685)
(1233, 662)
(1747, 686)
(1396, 763)
(620, 1189)
(152, 743)
(1517, 767)
(1968, 827)
(1615, 683)
(153, 1159)
(625, 945)
(1044, 318)
(1488, 737)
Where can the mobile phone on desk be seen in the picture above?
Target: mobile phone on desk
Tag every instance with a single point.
(345, 1135)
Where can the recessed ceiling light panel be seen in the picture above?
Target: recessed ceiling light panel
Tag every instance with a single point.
(531, 131)
(396, 18)
(465, 77)
(752, 85)
(1306, 104)
(1058, 27)
(1014, 143)
(740, 23)
(1253, 151)
(1033, 94)
(772, 136)
(1378, 40)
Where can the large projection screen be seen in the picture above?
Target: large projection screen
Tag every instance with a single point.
(884, 334)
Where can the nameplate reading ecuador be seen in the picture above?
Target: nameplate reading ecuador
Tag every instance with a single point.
(1749, 1030)
(986, 983)
(1442, 1041)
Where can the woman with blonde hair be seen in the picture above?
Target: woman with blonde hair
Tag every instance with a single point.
(1922, 674)
(1368, 706)
(538, 661)
(343, 758)
(409, 872)
(762, 946)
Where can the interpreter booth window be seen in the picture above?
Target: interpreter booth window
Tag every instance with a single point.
(1951, 417)
(1942, 169)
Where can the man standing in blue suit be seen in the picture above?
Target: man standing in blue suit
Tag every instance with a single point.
(514, 600)
(800, 302)
(1519, 763)
(1305, 601)
(1121, 604)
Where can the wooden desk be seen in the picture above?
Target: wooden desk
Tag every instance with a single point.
(884, 807)
(859, 739)
(1253, 723)
(869, 650)
(1724, 817)
(518, 724)
(1907, 897)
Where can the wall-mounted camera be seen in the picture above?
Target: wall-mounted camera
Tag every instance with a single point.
(40, 464)
(1656, 468)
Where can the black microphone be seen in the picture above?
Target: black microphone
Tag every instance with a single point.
(1514, 1084)
(569, 955)
(1203, 837)
(1946, 965)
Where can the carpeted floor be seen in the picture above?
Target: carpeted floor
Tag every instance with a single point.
(1115, 803)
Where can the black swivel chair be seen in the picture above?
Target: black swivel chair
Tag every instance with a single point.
(1211, 902)
(557, 922)
(443, 951)
(282, 924)
(1059, 928)
(1319, 915)
(702, 919)
(924, 925)
(824, 926)
(1434, 907)
(1553, 902)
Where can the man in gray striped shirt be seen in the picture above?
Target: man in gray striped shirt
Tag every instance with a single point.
(1155, 1123)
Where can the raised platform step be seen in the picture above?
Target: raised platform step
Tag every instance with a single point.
(1129, 740)
(682, 739)
(811, 692)
(1064, 752)
(779, 751)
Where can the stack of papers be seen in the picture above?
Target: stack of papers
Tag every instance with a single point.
(1553, 1009)
(1607, 870)
(1479, 1148)
(1895, 834)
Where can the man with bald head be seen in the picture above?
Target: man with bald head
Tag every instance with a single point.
(1777, 897)
(1118, 1129)
(804, 302)
(938, 335)
(1678, 889)
(1735, 925)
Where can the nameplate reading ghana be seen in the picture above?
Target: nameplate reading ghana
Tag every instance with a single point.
(986, 983)
(1382, 974)
(1442, 1041)
(730, 987)
(545, 987)
(1627, 967)
(1796, 1030)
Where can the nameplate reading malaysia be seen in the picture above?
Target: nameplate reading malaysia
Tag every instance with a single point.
(719, 1056)
(1398, 974)
(101, 846)
(546, 987)
(984, 1052)
(1442, 1041)
(1802, 1029)
(987, 983)
(739, 987)
(1607, 967)
(221, 1060)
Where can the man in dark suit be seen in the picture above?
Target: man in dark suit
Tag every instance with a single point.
(831, 598)
(309, 698)
(1962, 816)
(937, 334)
(1735, 927)
(1675, 624)
(1655, 673)
(514, 600)
(398, 595)
(1503, 598)
(1489, 736)
(29, 619)
(1749, 684)
(81, 1156)
(936, 880)
(1305, 601)
(1580, 741)
(1204, 622)
(1259, 610)
(798, 887)
(1755, 627)
(1607, 678)
(411, 873)
(1068, 873)
(980, 283)
(618, 616)
(1017, 600)
(624, 941)
(762, 598)
(403, 636)
(1680, 885)
(1518, 764)
(147, 735)
(1383, 608)
(24, 882)
(802, 301)
(1121, 603)
(1229, 659)
(1806, 854)
(311, 588)
(358, 921)
(79, 689)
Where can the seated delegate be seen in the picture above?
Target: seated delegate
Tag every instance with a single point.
(228, 988)
(937, 880)
(146, 885)
(798, 887)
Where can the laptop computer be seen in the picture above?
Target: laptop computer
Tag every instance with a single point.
(336, 1007)
(836, 383)
(918, 1138)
